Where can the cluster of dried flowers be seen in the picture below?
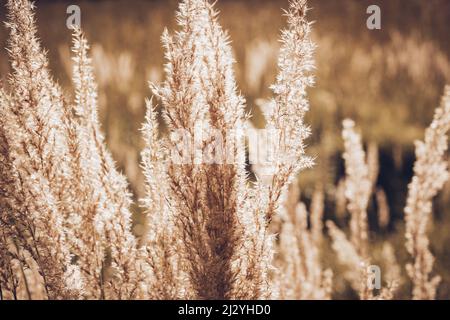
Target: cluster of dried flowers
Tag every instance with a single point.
(65, 221)
(430, 175)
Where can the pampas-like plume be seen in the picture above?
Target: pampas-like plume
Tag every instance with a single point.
(105, 199)
(358, 187)
(300, 274)
(65, 220)
(285, 113)
(66, 205)
(62, 197)
(430, 175)
(8, 280)
(359, 182)
(226, 247)
(85, 237)
(199, 94)
(31, 117)
(185, 108)
(285, 118)
(165, 279)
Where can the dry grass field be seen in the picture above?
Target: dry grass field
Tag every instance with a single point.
(87, 179)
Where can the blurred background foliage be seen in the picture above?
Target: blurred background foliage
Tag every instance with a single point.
(389, 81)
